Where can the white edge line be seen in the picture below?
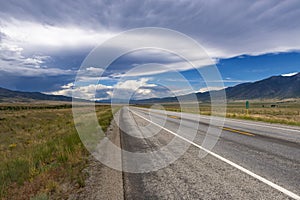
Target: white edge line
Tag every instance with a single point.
(236, 121)
(275, 186)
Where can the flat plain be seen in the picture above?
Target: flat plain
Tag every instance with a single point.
(271, 111)
(41, 153)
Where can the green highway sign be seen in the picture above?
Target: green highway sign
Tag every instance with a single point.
(247, 104)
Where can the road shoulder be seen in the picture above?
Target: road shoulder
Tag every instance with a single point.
(102, 182)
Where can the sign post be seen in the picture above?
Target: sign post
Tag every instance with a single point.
(247, 107)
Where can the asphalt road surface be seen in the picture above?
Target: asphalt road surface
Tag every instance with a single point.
(250, 160)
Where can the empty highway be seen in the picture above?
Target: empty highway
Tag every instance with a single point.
(250, 160)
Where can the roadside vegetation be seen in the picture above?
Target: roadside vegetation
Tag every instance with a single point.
(41, 154)
(281, 112)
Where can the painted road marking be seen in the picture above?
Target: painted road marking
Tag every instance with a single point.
(235, 121)
(262, 179)
(173, 116)
(267, 126)
(224, 128)
(237, 131)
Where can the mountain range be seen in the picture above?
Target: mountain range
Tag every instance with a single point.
(275, 87)
(18, 96)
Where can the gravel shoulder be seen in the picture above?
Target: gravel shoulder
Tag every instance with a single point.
(189, 177)
(102, 182)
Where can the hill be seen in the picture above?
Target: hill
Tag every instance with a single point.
(17, 96)
(275, 87)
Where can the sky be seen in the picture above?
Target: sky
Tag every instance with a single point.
(44, 43)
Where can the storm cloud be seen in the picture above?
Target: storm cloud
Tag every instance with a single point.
(50, 39)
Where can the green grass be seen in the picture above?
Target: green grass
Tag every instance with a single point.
(41, 151)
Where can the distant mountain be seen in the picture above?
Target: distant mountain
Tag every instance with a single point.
(275, 87)
(17, 96)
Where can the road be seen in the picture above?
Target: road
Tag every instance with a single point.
(250, 160)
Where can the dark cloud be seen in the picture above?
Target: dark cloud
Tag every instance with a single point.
(238, 27)
(34, 83)
(66, 31)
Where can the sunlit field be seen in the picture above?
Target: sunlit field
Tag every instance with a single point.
(41, 154)
(283, 112)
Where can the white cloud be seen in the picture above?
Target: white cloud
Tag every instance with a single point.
(27, 27)
(290, 74)
(84, 92)
(144, 92)
(95, 69)
(20, 40)
(37, 35)
(156, 61)
(68, 86)
(127, 89)
(135, 89)
(36, 61)
(13, 61)
(134, 84)
(207, 89)
(10, 51)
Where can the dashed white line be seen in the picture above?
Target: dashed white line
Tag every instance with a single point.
(275, 186)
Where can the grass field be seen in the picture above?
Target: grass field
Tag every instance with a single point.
(41, 154)
(282, 112)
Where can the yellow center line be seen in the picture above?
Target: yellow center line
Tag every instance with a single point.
(237, 131)
(173, 116)
(224, 128)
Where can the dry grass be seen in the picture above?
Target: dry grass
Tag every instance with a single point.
(284, 112)
(42, 155)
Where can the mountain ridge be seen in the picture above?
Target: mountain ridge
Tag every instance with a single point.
(274, 87)
(7, 95)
